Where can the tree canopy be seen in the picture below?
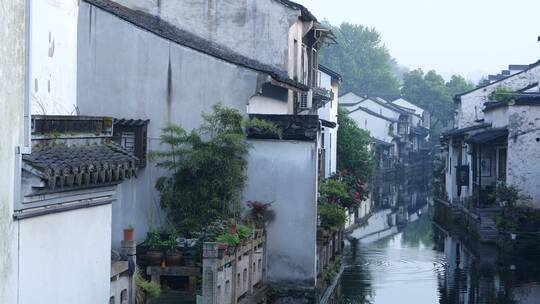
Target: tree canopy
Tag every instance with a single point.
(353, 152)
(363, 60)
(431, 92)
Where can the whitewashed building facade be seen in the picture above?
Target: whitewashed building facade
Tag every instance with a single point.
(495, 138)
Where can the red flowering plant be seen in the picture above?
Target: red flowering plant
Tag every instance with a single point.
(336, 192)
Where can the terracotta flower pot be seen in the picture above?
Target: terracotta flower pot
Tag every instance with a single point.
(232, 229)
(173, 258)
(153, 257)
(128, 234)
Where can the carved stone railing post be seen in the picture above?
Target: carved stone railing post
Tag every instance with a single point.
(209, 279)
(129, 250)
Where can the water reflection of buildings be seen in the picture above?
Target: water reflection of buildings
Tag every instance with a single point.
(394, 206)
(475, 273)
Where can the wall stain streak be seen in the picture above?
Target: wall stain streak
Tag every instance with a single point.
(169, 88)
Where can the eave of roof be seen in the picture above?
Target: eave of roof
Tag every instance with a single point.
(164, 29)
(488, 135)
(327, 123)
(293, 127)
(520, 99)
(366, 110)
(377, 141)
(465, 130)
(130, 122)
(305, 15)
(330, 72)
(81, 166)
(457, 98)
(420, 130)
(389, 106)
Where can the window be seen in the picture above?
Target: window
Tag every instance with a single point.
(501, 174)
(305, 65)
(227, 287)
(259, 265)
(131, 134)
(111, 300)
(124, 297)
(303, 101)
(295, 60)
(127, 140)
(245, 278)
(330, 158)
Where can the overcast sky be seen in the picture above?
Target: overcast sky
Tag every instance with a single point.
(469, 37)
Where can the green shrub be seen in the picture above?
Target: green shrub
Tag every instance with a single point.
(244, 232)
(264, 126)
(227, 238)
(145, 290)
(207, 170)
(332, 216)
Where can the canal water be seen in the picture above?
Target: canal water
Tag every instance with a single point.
(400, 256)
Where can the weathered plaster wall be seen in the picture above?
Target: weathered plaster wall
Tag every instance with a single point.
(124, 71)
(53, 58)
(523, 169)
(69, 260)
(497, 117)
(274, 171)
(257, 29)
(471, 105)
(12, 47)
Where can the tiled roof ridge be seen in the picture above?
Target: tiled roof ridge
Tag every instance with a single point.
(78, 166)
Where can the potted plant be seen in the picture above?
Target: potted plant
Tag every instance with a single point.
(232, 240)
(244, 233)
(155, 246)
(174, 256)
(128, 233)
(260, 213)
(232, 228)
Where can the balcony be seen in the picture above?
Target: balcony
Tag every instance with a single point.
(321, 96)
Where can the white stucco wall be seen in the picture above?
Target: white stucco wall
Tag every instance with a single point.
(329, 113)
(12, 48)
(379, 109)
(65, 257)
(471, 105)
(127, 72)
(53, 57)
(285, 173)
(349, 97)
(257, 29)
(377, 127)
(523, 169)
(266, 105)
